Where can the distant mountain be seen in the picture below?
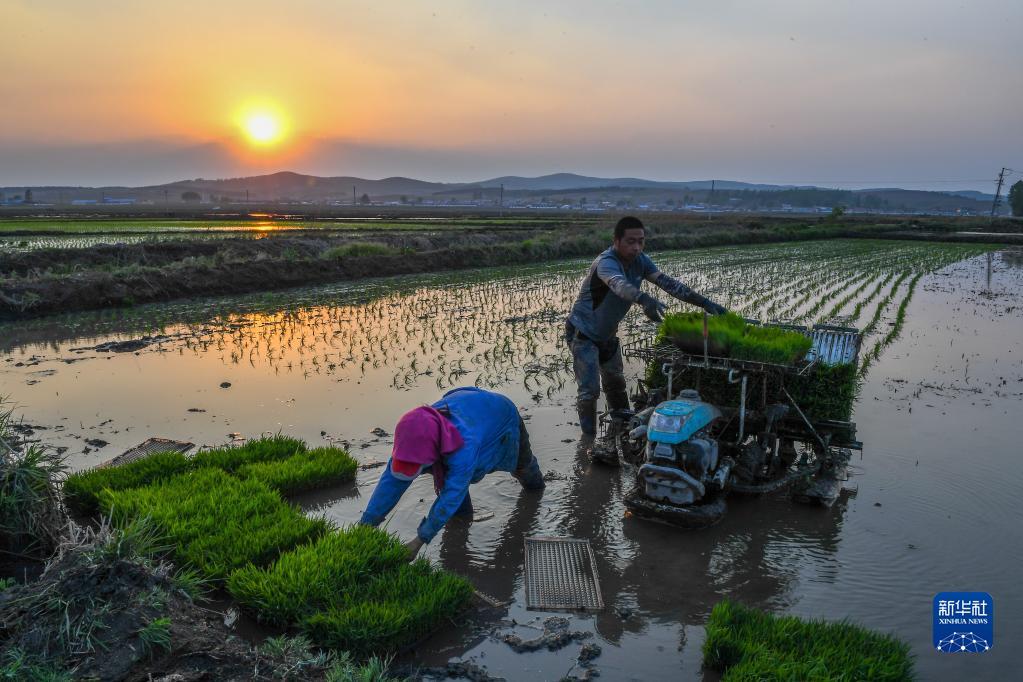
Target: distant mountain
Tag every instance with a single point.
(558, 189)
(564, 181)
(973, 194)
(305, 187)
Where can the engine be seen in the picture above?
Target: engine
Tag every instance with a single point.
(681, 458)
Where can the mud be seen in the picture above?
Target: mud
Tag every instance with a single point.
(112, 602)
(556, 635)
(463, 670)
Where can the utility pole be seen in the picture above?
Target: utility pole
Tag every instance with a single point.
(502, 199)
(998, 192)
(353, 195)
(710, 198)
(246, 196)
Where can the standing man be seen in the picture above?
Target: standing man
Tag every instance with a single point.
(608, 291)
(461, 438)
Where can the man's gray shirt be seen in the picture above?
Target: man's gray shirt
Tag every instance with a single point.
(611, 287)
(606, 293)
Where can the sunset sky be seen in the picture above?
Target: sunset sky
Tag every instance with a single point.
(920, 94)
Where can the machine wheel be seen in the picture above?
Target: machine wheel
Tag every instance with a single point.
(690, 516)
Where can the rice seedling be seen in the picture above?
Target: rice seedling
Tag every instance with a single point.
(352, 590)
(306, 470)
(748, 644)
(155, 635)
(216, 522)
(729, 336)
(685, 330)
(826, 392)
(896, 329)
(315, 576)
(82, 489)
(771, 344)
(266, 449)
(392, 611)
(883, 304)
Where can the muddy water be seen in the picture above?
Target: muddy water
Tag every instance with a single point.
(930, 506)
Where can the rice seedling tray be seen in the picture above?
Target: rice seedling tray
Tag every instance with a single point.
(561, 574)
(148, 447)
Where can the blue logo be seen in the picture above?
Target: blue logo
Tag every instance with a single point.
(964, 622)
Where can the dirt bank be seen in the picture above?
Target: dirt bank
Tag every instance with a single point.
(51, 281)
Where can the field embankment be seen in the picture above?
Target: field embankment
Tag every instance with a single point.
(54, 280)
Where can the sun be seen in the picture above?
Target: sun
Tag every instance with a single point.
(263, 127)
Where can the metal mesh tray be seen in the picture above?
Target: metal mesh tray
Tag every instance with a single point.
(561, 574)
(149, 447)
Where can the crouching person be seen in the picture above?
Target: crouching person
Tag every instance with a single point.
(461, 438)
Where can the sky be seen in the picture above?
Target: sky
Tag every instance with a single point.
(923, 94)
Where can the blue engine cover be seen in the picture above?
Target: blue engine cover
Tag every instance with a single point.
(675, 421)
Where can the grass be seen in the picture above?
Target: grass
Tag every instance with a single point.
(20, 666)
(31, 514)
(217, 523)
(304, 470)
(156, 635)
(358, 250)
(352, 590)
(100, 590)
(748, 644)
(295, 658)
(82, 489)
(344, 669)
(265, 449)
(728, 335)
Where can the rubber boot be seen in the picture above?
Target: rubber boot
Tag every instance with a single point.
(605, 449)
(617, 398)
(587, 417)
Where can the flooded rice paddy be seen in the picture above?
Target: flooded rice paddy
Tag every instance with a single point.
(931, 505)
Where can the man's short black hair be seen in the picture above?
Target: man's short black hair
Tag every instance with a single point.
(629, 222)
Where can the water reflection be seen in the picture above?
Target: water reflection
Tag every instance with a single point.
(334, 362)
(756, 554)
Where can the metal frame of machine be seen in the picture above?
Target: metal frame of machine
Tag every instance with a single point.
(825, 445)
